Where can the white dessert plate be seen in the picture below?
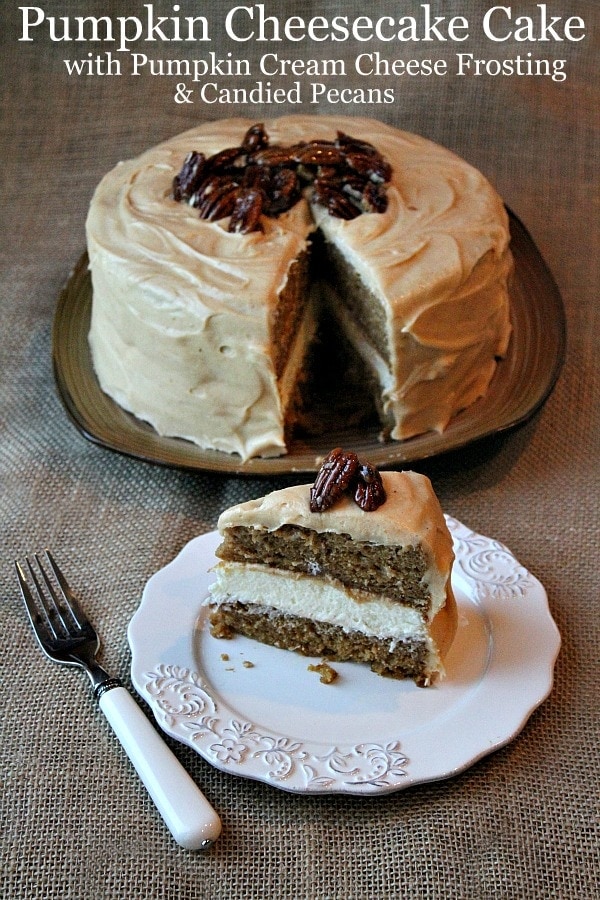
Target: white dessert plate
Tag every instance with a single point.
(258, 712)
(521, 384)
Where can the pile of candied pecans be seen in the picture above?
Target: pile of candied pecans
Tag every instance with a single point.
(342, 471)
(347, 176)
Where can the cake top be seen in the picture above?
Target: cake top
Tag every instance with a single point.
(410, 515)
(442, 218)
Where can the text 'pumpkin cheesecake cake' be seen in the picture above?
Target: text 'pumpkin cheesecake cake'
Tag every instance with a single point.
(356, 567)
(205, 306)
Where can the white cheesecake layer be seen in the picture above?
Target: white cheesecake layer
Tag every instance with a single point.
(308, 597)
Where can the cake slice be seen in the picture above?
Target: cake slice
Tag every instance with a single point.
(309, 569)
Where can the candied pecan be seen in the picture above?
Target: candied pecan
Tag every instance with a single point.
(347, 142)
(247, 211)
(317, 153)
(220, 206)
(374, 198)
(272, 156)
(284, 182)
(255, 138)
(372, 165)
(226, 160)
(336, 473)
(305, 173)
(369, 491)
(334, 200)
(217, 199)
(188, 179)
(329, 172)
(256, 177)
(354, 185)
(206, 187)
(281, 191)
(341, 207)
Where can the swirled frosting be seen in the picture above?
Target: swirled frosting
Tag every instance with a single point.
(181, 308)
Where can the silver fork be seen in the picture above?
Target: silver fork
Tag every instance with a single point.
(66, 636)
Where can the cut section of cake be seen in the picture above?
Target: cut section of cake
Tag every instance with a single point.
(366, 580)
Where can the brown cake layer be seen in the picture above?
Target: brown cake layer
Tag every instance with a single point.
(339, 386)
(365, 308)
(394, 572)
(287, 315)
(408, 659)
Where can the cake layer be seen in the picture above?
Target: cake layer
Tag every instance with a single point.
(398, 573)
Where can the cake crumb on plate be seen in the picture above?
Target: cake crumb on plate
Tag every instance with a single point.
(327, 674)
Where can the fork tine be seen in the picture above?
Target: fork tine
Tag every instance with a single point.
(48, 598)
(67, 594)
(38, 622)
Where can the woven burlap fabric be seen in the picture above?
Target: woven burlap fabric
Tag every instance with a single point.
(75, 822)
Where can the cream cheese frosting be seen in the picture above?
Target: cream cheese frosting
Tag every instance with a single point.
(181, 308)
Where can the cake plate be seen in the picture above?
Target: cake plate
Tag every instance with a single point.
(258, 712)
(521, 384)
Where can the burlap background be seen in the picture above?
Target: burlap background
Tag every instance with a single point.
(522, 823)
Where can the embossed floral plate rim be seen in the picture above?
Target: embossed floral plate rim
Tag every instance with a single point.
(522, 383)
(257, 712)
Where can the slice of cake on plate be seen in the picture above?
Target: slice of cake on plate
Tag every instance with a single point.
(355, 567)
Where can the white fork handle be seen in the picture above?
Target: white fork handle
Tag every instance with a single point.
(187, 813)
